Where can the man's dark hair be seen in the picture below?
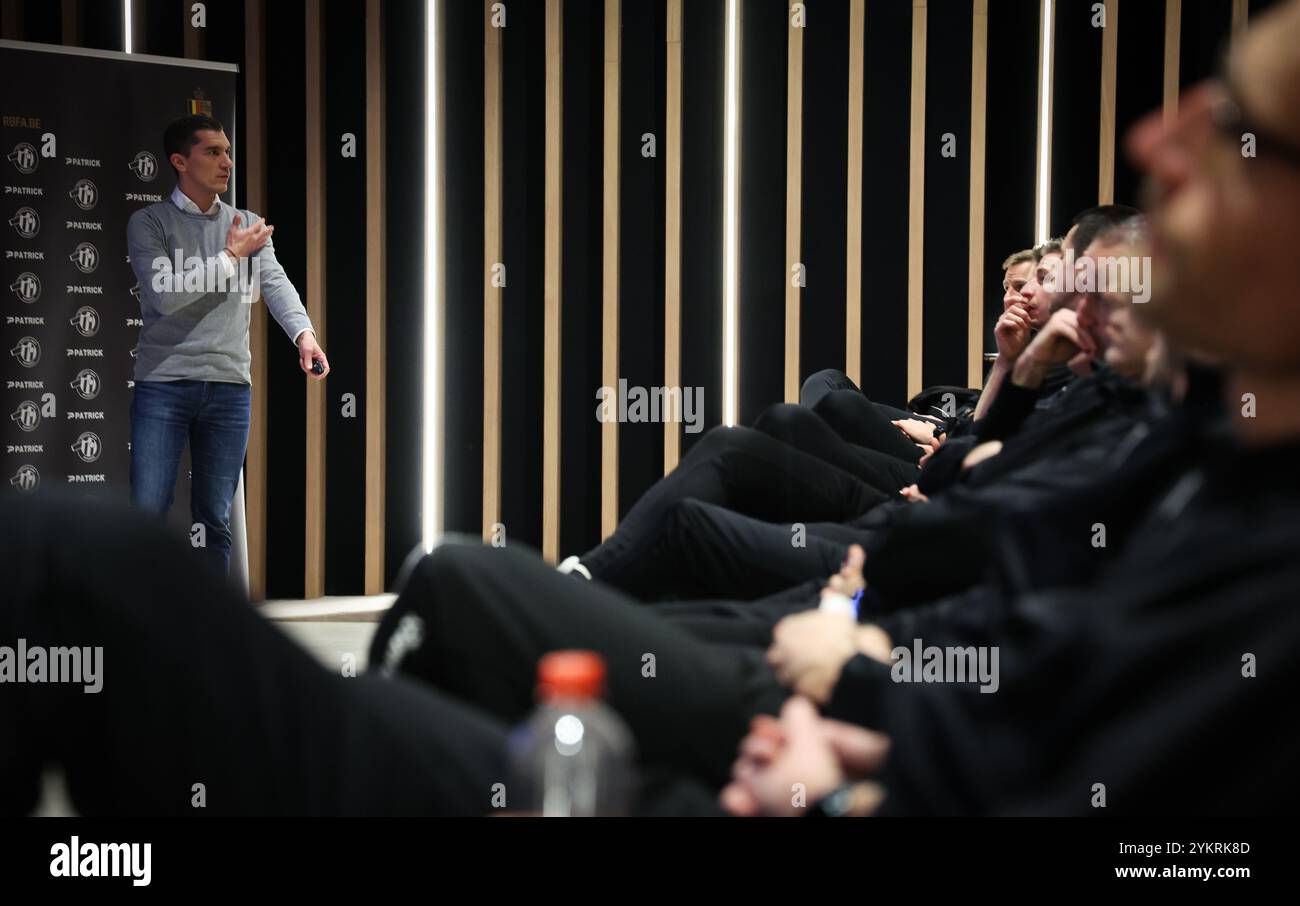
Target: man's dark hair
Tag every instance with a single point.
(1093, 221)
(179, 137)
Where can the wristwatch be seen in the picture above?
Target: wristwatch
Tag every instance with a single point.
(836, 804)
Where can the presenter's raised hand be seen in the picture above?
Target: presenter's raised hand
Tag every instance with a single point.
(309, 351)
(244, 241)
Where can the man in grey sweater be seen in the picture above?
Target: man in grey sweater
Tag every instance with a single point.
(201, 265)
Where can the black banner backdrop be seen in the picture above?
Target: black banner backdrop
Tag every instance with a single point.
(81, 131)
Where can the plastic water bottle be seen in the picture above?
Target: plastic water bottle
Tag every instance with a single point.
(574, 756)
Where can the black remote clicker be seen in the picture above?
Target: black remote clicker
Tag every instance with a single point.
(317, 367)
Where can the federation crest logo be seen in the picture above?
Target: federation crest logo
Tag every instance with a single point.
(26, 479)
(24, 158)
(88, 446)
(27, 416)
(86, 257)
(86, 321)
(27, 352)
(85, 194)
(87, 384)
(26, 222)
(144, 165)
(27, 287)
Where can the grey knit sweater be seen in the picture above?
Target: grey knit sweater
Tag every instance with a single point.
(196, 316)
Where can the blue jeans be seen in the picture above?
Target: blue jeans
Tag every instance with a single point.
(213, 416)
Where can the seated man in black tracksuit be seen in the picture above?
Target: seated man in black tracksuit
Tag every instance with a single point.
(695, 548)
(1026, 310)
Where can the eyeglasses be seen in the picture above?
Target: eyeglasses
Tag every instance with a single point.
(1232, 122)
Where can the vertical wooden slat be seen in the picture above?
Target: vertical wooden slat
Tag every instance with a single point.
(196, 39)
(11, 20)
(673, 226)
(793, 204)
(975, 262)
(254, 181)
(314, 560)
(1106, 151)
(853, 251)
(609, 266)
(552, 279)
(376, 290)
(70, 19)
(1240, 17)
(1173, 35)
(492, 245)
(916, 203)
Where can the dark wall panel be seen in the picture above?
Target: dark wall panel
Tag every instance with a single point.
(885, 165)
(101, 24)
(824, 215)
(285, 383)
(164, 24)
(404, 340)
(1076, 116)
(584, 43)
(763, 270)
(462, 372)
(523, 209)
(1010, 130)
(42, 22)
(345, 274)
(947, 194)
(641, 234)
(1206, 27)
(1140, 74)
(704, 54)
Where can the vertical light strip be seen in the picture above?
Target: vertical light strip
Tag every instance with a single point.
(979, 51)
(793, 203)
(1173, 35)
(731, 214)
(1106, 153)
(128, 45)
(916, 205)
(315, 449)
(853, 235)
(609, 263)
(1043, 183)
(673, 226)
(552, 279)
(254, 182)
(431, 473)
(376, 301)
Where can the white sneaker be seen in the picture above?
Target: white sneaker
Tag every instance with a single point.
(574, 565)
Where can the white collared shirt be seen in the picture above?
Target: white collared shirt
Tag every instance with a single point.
(185, 203)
